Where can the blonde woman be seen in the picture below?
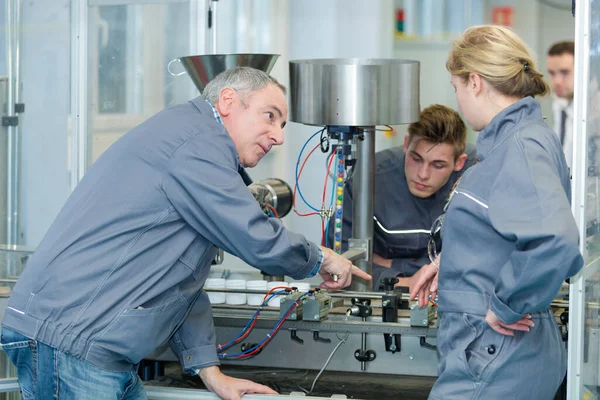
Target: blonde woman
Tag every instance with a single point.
(509, 238)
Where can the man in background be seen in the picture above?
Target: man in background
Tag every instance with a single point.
(560, 64)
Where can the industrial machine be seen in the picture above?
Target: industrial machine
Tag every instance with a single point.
(355, 330)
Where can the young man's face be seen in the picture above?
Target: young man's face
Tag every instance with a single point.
(428, 166)
(254, 122)
(560, 69)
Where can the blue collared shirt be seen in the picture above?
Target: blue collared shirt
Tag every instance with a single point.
(215, 112)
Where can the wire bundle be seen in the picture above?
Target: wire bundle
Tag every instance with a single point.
(254, 350)
(325, 211)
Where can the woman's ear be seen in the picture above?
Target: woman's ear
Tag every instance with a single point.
(475, 83)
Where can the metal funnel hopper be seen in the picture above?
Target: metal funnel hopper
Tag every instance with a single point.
(202, 69)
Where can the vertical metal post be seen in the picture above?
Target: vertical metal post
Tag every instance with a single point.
(363, 192)
(11, 155)
(214, 5)
(577, 289)
(15, 231)
(363, 347)
(198, 31)
(79, 92)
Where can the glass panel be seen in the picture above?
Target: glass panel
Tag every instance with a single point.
(130, 46)
(590, 360)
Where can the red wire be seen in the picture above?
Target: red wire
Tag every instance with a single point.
(255, 351)
(273, 210)
(247, 332)
(323, 233)
(296, 185)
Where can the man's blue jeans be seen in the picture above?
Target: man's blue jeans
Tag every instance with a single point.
(46, 373)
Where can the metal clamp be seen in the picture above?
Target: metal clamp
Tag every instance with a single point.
(10, 121)
(317, 338)
(423, 343)
(294, 336)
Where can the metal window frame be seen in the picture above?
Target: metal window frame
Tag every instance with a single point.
(577, 289)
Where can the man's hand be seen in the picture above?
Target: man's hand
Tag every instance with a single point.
(508, 329)
(334, 264)
(229, 388)
(383, 262)
(424, 283)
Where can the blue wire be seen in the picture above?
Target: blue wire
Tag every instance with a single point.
(298, 163)
(333, 187)
(231, 342)
(266, 338)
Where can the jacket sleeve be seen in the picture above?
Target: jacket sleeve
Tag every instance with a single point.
(194, 342)
(529, 206)
(203, 185)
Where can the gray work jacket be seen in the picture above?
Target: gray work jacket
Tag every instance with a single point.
(510, 239)
(121, 270)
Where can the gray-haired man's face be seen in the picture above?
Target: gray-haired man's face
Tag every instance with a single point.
(255, 122)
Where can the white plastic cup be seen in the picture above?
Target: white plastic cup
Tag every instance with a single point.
(302, 287)
(235, 299)
(215, 283)
(274, 302)
(256, 299)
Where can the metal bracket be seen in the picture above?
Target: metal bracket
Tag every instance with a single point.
(365, 356)
(358, 249)
(10, 121)
(219, 257)
(317, 338)
(19, 108)
(294, 336)
(393, 342)
(423, 343)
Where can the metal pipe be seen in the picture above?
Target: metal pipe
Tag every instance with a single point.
(10, 112)
(337, 295)
(214, 26)
(14, 235)
(363, 347)
(363, 192)
(79, 23)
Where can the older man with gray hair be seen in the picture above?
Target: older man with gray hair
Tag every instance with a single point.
(121, 270)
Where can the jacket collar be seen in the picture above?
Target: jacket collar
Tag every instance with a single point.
(505, 123)
(208, 109)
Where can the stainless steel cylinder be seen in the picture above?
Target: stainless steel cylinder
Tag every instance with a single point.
(354, 92)
(275, 193)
